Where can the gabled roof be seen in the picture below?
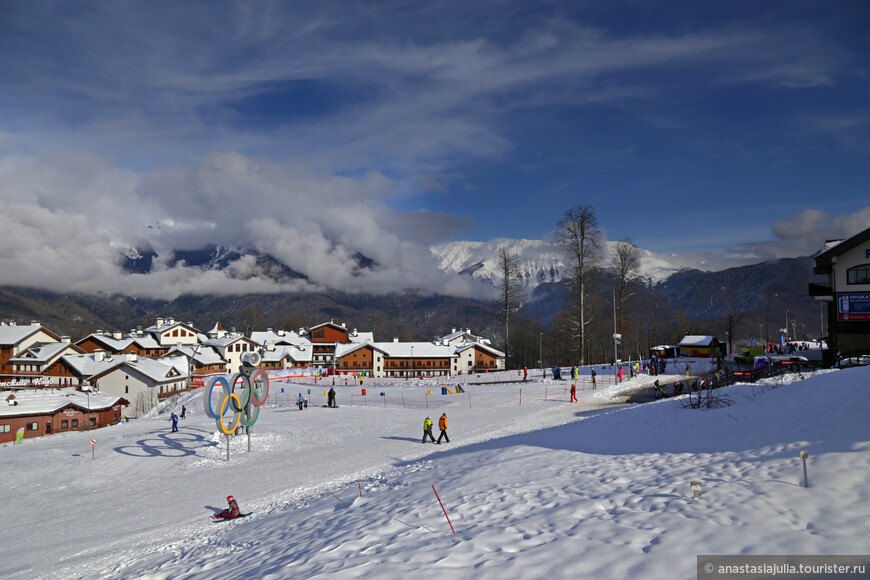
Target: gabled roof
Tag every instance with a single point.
(344, 349)
(486, 348)
(45, 401)
(332, 324)
(298, 353)
(155, 370)
(12, 334)
(44, 353)
(824, 259)
(86, 365)
(697, 340)
(206, 356)
(223, 342)
(262, 337)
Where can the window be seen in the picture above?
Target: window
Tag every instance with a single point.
(318, 334)
(32, 426)
(93, 421)
(126, 389)
(75, 423)
(64, 424)
(5, 428)
(858, 275)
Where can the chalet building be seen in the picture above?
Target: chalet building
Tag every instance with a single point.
(74, 369)
(15, 339)
(694, 345)
(201, 360)
(414, 359)
(463, 336)
(844, 266)
(136, 342)
(286, 357)
(230, 346)
(143, 381)
(33, 362)
(43, 412)
(477, 357)
(168, 332)
(324, 338)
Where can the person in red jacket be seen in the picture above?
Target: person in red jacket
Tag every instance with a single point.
(442, 424)
(231, 512)
(573, 392)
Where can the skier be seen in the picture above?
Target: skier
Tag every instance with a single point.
(427, 430)
(659, 393)
(525, 374)
(573, 392)
(300, 401)
(183, 411)
(231, 512)
(593, 378)
(442, 424)
(331, 401)
(174, 419)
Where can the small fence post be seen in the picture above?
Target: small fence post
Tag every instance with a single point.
(444, 510)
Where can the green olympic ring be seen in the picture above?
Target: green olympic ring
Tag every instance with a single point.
(254, 389)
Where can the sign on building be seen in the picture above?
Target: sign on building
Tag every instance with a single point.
(853, 307)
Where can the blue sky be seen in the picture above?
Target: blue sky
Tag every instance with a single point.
(720, 132)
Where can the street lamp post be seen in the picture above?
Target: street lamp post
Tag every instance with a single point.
(541, 350)
(412, 360)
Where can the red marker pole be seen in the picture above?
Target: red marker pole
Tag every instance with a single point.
(403, 399)
(360, 487)
(444, 510)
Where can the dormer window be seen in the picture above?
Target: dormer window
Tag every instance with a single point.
(858, 275)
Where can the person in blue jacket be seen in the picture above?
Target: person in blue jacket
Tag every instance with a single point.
(174, 419)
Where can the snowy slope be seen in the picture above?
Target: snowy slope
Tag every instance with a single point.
(540, 261)
(534, 488)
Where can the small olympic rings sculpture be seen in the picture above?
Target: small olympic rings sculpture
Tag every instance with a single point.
(241, 398)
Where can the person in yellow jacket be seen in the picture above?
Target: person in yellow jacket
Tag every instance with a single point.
(427, 430)
(442, 424)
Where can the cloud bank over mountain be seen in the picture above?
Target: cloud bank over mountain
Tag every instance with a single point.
(69, 221)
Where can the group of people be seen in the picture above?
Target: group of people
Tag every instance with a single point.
(442, 424)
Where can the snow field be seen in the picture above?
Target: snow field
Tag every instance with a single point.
(542, 489)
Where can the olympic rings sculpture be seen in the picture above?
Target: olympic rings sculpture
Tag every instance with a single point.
(242, 397)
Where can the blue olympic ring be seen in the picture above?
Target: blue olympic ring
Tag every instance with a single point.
(253, 390)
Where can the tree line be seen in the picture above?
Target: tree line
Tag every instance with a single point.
(611, 312)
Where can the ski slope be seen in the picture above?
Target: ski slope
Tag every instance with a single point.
(534, 489)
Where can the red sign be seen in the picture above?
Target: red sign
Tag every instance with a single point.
(93, 441)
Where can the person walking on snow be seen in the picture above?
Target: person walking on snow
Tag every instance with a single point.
(232, 510)
(525, 374)
(442, 424)
(573, 392)
(593, 378)
(183, 411)
(300, 401)
(427, 430)
(174, 419)
(331, 401)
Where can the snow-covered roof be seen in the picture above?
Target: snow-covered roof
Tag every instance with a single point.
(697, 340)
(227, 340)
(157, 370)
(15, 333)
(298, 353)
(464, 346)
(42, 353)
(44, 401)
(361, 337)
(88, 365)
(207, 355)
(414, 349)
(264, 337)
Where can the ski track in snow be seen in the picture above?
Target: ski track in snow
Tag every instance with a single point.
(546, 489)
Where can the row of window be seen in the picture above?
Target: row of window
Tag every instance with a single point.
(34, 426)
(858, 275)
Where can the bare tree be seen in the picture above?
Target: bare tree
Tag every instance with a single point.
(625, 266)
(577, 232)
(511, 289)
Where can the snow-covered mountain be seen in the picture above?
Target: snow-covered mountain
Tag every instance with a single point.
(540, 261)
